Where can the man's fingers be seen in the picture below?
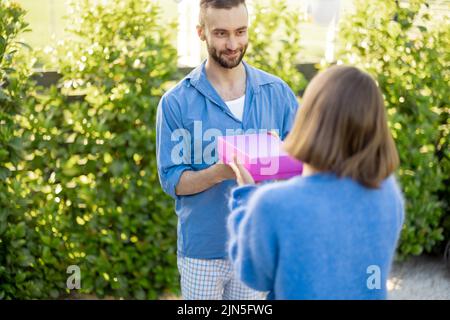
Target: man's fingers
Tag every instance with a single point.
(274, 133)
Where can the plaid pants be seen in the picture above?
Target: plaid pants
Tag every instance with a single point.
(213, 279)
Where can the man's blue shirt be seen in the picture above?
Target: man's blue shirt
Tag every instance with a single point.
(190, 117)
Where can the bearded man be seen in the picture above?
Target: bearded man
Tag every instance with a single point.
(222, 95)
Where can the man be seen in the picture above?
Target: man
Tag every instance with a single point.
(222, 95)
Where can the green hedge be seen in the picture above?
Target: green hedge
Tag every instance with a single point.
(274, 41)
(17, 247)
(121, 228)
(405, 47)
(88, 179)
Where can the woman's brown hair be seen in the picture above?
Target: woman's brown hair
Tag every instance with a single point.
(341, 127)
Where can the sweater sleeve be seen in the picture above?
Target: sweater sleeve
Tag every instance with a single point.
(252, 238)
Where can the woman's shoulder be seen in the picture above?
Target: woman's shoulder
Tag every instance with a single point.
(392, 187)
(307, 188)
(320, 183)
(282, 192)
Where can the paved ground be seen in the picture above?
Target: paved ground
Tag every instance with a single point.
(422, 278)
(419, 278)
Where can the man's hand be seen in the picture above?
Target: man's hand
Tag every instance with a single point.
(193, 182)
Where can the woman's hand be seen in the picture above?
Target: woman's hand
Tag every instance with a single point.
(243, 177)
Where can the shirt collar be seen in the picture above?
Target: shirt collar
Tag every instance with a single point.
(255, 78)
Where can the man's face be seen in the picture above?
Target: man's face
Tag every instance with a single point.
(225, 33)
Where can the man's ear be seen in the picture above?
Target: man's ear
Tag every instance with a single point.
(201, 32)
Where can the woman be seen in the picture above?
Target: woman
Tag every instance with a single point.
(332, 232)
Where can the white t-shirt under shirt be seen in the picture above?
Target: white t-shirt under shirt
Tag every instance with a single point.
(237, 107)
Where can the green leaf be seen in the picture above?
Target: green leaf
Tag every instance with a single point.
(20, 277)
(23, 44)
(422, 28)
(2, 46)
(9, 70)
(21, 230)
(4, 173)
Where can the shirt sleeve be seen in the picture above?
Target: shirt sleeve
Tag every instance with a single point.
(290, 111)
(252, 239)
(170, 163)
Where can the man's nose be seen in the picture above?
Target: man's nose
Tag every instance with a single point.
(232, 43)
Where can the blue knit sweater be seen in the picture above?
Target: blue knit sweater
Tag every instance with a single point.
(315, 237)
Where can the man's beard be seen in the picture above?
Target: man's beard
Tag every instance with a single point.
(222, 60)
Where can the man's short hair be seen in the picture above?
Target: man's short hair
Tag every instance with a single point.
(217, 4)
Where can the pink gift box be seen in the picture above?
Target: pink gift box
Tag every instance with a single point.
(261, 154)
